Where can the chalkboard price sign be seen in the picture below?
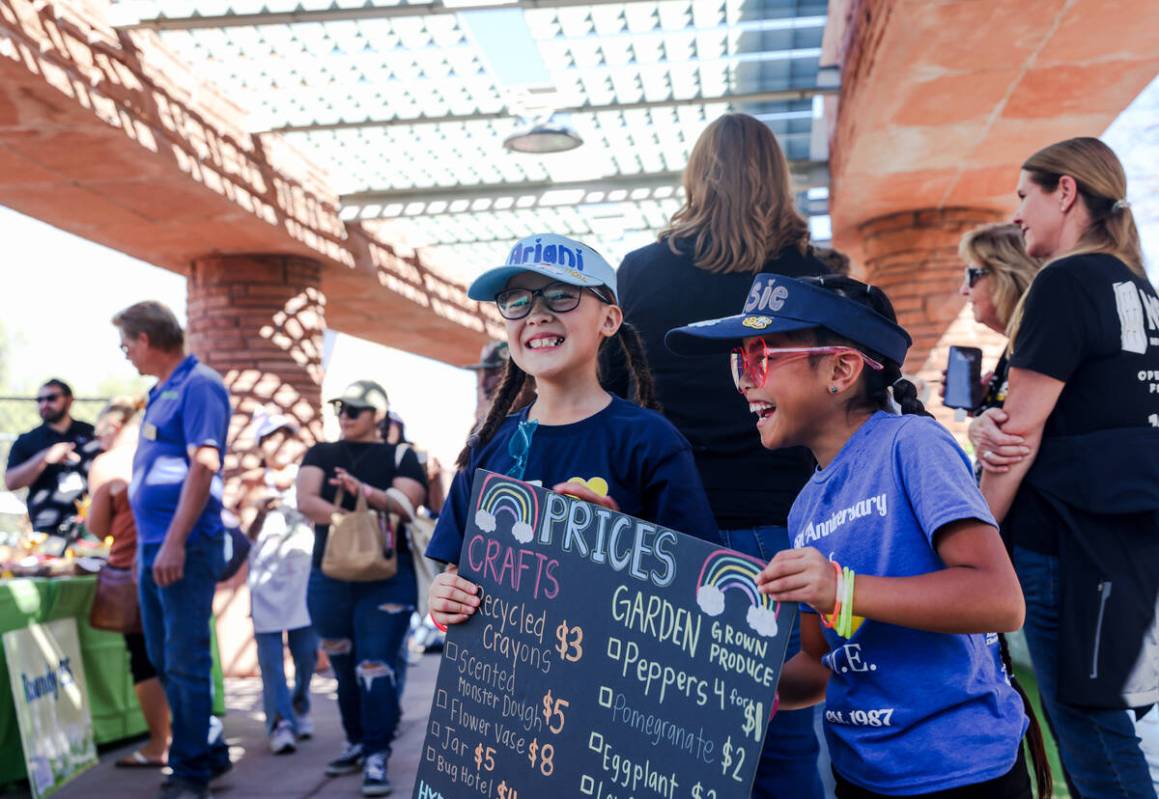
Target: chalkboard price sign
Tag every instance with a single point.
(610, 658)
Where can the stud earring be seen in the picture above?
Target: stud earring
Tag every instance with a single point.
(832, 389)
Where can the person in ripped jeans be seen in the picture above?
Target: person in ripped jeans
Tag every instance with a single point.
(361, 624)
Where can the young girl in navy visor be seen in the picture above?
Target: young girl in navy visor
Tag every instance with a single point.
(552, 422)
(895, 551)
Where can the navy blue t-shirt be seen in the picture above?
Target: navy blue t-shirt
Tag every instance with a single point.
(629, 453)
(906, 711)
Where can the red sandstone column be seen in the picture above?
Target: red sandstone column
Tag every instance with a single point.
(913, 256)
(258, 320)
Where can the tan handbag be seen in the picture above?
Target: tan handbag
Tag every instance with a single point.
(360, 547)
(115, 605)
(419, 532)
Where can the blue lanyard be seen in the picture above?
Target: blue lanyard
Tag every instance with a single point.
(519, 447)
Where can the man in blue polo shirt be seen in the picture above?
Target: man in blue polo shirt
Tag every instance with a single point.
(176, 498)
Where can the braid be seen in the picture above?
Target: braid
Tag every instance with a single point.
(876, 394)
(510, 388)
(905, 393)
(633, 348)
(1035, 741)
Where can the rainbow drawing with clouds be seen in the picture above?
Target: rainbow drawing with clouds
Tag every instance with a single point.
(723, 571)
(503, 496)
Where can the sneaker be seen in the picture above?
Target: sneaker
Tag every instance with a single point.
(374, 780)
(282, 741)
(305, 727)
(219, 761)
(348, 762)
(177, 788)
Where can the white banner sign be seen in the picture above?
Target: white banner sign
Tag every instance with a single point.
(52, 706)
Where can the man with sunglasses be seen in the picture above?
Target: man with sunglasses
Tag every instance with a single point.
(52, 461)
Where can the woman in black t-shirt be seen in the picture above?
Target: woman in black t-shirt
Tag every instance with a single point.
(361, 624)
(702, 268)
(1081, 507)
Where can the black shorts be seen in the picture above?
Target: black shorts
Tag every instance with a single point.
(139, 664)
(1014, 784)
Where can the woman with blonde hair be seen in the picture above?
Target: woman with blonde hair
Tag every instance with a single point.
(998, 272)
(738, 219)
(1080, 508)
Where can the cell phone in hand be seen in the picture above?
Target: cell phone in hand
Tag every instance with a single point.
(964, 378)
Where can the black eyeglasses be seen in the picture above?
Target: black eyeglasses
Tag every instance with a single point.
(349, 411)
(558, 297)
(974, 274)
(48, 398)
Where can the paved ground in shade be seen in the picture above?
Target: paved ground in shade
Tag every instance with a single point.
(258, 773)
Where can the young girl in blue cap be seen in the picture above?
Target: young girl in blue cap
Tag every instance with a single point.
(558, 297)
(895, 550)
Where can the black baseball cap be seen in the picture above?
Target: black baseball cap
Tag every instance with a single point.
(364, 394)
(780, 304)
(494, 356)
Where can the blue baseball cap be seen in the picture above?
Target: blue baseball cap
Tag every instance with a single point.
(779, 304)
(558, 257)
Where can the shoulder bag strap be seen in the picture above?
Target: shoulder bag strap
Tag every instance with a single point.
(403, 500)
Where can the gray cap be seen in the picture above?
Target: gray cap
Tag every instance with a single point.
(364, 394)
(494, 356)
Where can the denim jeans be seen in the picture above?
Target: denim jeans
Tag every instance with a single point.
(176, 622)
(788, 764)
(361, 629)
(1099, 748)
(277, 700)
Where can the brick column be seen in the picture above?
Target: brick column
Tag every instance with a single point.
(913, 256)
(258, 320)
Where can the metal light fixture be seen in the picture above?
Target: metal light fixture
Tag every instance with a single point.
(547, 136)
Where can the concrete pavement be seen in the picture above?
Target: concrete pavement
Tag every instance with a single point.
(259, 773)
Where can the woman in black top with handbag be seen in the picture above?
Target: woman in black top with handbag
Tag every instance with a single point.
(738, 219)
(361, 624)
(1082, 507)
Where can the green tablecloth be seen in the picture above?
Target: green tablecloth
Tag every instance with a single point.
(106, 663)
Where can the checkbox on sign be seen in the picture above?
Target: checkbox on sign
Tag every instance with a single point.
(614, 648)
(441, 700)
(605, 696)
(596, 742)
(431, 754)
(436, 729)
(587, 785)
(450, 651)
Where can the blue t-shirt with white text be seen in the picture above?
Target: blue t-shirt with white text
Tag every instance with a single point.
(188, 411)
(629, 453)
(906, 711)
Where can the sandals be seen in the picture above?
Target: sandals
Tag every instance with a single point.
(137, 760)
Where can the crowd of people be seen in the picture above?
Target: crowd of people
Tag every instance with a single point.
(636, 388)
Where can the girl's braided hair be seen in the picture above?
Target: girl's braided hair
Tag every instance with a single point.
(876, 392)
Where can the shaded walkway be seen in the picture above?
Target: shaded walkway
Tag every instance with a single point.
(257, 772)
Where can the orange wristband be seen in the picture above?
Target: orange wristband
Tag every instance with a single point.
(830, 619)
